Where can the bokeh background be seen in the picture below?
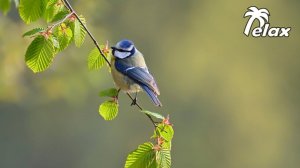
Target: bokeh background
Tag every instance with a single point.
(233, 100)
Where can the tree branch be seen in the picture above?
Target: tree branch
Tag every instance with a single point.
(60, 22)
(68, 6)
(140, 107)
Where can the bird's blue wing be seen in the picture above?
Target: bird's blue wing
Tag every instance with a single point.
(140, 75)
(152, 95)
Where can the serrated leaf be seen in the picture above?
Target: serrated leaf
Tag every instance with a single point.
(31, 10)
(39, 54)
(95, 60)
(51, 10)
(64, 35)
(108, 110)
(156, 115)
(54, 11)
(4, 6)
(142, 157)
(163, 158)
(165, 131)
(112, 92)
(167, 145)
(79, 31)
(60, 15)
(33, 31)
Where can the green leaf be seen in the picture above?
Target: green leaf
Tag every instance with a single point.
(156, 115)
(51, 10)
(95, 60)
(39, 54)
(79, 31)
(163, 158)
(64, 35)
(142, 157)
(167, 145)
(60, 15)
(4, 6)
(52, 2)
(32, 10)
(108, 110)
(165, 131)
(112, 92)
(55, 11)
(33, 31)
(55, 42)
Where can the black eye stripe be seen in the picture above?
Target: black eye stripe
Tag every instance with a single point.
(131, 52)
(121, 50)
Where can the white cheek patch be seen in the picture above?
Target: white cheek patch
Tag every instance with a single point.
(121, 54)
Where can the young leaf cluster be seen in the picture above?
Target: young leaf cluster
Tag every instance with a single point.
(151, 155)
(147, 155)
(53, 39)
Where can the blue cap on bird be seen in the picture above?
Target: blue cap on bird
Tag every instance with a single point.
(123, 49)
(126, 45)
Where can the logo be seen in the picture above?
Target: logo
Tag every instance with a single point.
(264, 29)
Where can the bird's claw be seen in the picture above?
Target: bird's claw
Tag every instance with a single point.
(133, 102)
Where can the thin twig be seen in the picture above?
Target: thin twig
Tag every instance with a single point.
(60, 22)
(140, 107)
(68, 5)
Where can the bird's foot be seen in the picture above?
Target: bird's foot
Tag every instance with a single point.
(133, 103)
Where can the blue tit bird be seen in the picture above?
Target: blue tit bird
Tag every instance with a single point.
(130, 72)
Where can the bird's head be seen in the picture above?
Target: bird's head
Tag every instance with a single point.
(123, 49)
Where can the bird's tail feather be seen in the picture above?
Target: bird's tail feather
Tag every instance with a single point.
(152, 95)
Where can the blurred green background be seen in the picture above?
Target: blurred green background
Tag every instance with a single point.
(233, 100)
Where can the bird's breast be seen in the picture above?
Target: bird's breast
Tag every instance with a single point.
(123, 82)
